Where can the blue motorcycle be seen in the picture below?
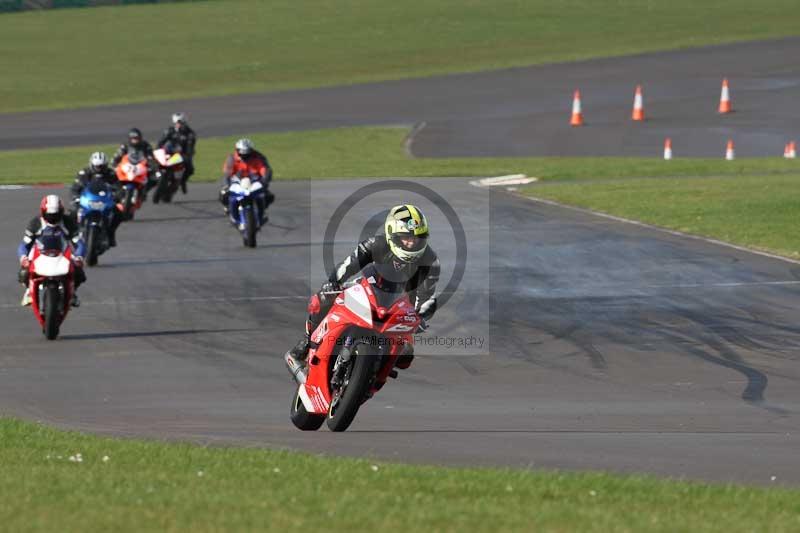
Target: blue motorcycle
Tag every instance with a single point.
(96, 208)
(247, 207)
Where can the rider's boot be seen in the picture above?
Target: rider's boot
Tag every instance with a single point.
(264, 216)
(75, 301)
(297, 359)
(112, 237)
(26, 298)
(183, 185)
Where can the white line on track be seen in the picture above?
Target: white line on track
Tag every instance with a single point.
(664, 230)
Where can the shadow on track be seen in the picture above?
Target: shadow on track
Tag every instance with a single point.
(162, 333)
(723, 333)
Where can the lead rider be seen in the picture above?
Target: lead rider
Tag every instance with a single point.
(51, 215)
(402, 254)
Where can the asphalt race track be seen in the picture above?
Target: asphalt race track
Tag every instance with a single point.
(605, 345)
(608, 346)
(514, 112)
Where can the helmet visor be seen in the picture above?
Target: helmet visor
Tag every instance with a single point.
(410, 242)
(52, 218)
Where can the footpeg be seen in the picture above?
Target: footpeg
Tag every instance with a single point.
(393, 374)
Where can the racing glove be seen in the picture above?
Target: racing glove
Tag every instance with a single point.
(331, 286)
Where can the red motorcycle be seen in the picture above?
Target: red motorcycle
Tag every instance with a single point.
(132, 175)
(354, 350)
(50, 275)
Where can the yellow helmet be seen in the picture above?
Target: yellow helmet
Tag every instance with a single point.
(406, 230)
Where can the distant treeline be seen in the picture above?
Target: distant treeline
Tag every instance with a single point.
(24, 5)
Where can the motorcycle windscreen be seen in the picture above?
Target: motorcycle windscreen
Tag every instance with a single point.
(135, 157)
(97, 196)
(51, 242)
(388, 287)
(356, 300)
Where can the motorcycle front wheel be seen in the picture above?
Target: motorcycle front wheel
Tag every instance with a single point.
(302, 419)
(128, 205)
(350, 396)
(92, 243)
(52, 312)
(249, 233)
(162, 188)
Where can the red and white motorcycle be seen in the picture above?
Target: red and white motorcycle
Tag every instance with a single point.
(50, 281)
(169, 175)
(354, 350)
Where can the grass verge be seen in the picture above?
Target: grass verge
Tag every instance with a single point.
(758, 212)
(126, 485)
(378, 152)
(71, 58)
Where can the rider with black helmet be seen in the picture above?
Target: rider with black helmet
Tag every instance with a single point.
(402, 254)
(136, 143)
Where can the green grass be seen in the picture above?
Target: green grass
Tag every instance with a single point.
(759, 212)
(151, 486)
(378, 152)
(86, 57)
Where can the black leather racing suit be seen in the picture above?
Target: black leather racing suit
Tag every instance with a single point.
(186, 139)
(144, 147)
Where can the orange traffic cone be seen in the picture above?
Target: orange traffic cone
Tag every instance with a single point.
(638, 106)
(577, 114)
(667, 149)
(790, 152)
(725, 98)
(730, 154)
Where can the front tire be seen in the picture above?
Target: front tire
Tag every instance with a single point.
(92, 243)
(162, 188)
(351, 396)
(52, 312)
(250, 228)
(302, 419)
(127, 210)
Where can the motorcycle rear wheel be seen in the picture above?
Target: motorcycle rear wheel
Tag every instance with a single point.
(301, 418)
(351, 396)
(52, 312)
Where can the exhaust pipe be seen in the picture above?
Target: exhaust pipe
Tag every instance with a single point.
(298, 372)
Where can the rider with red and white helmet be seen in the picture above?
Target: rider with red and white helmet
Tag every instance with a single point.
(51, 215)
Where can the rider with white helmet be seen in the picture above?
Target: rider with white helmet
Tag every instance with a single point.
(183, 137)
(246, 161)
(98, 169)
